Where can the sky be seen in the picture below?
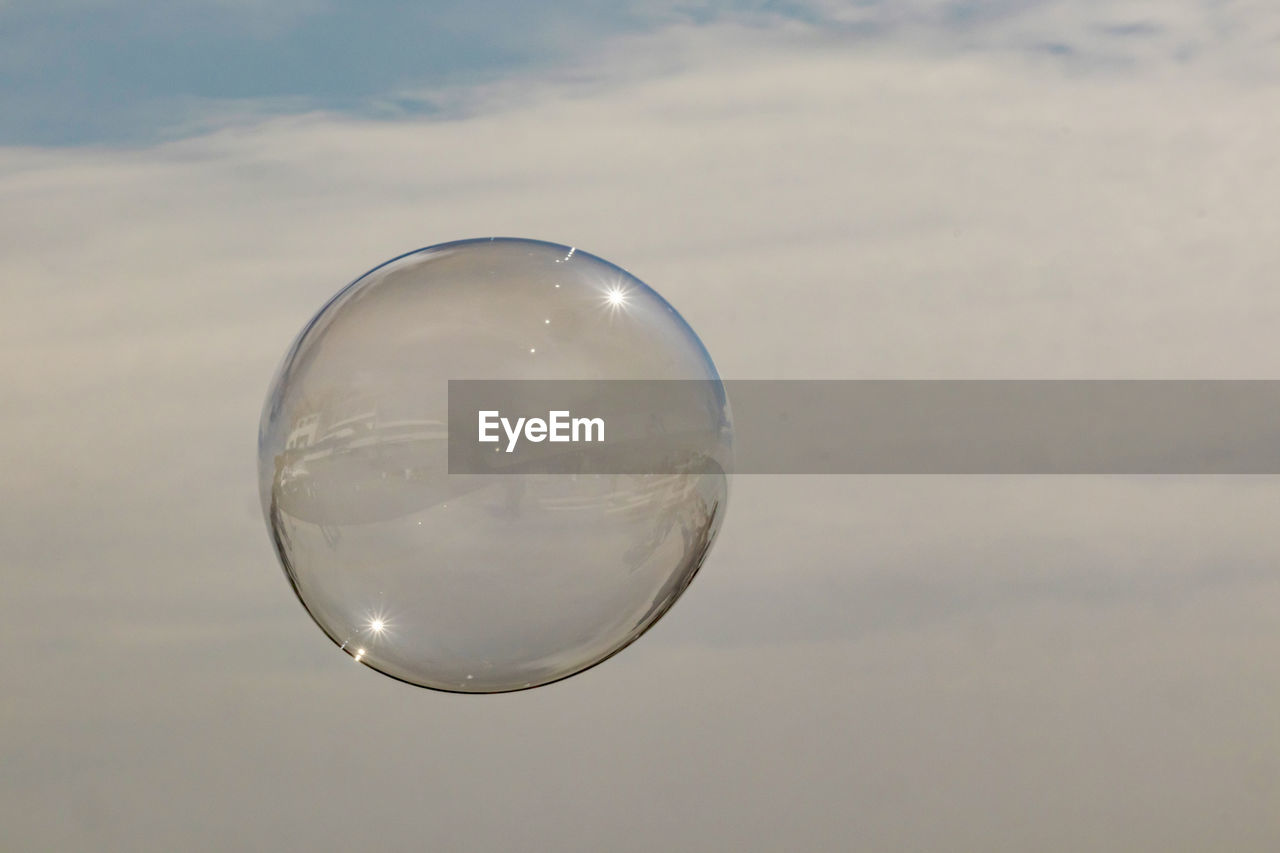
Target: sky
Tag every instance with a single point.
(825, 190)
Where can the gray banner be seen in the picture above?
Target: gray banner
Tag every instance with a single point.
(866, 427)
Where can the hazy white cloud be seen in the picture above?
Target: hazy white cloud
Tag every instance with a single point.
(872, 662)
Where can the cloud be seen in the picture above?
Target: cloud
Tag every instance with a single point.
(877, 663)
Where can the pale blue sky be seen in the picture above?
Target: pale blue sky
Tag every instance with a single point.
(130, 72)
(84, 72)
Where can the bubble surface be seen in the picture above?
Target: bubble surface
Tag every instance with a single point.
(473, 583)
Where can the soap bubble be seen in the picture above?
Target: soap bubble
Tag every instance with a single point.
(478, 584)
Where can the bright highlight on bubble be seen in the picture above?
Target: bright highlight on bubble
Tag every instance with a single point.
(479, 583)
(617, 297)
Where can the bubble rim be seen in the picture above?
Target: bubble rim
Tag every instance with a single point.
(270, 409)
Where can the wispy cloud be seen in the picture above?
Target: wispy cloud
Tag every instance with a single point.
(81, 71)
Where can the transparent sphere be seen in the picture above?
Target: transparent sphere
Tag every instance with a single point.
(478, 583)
